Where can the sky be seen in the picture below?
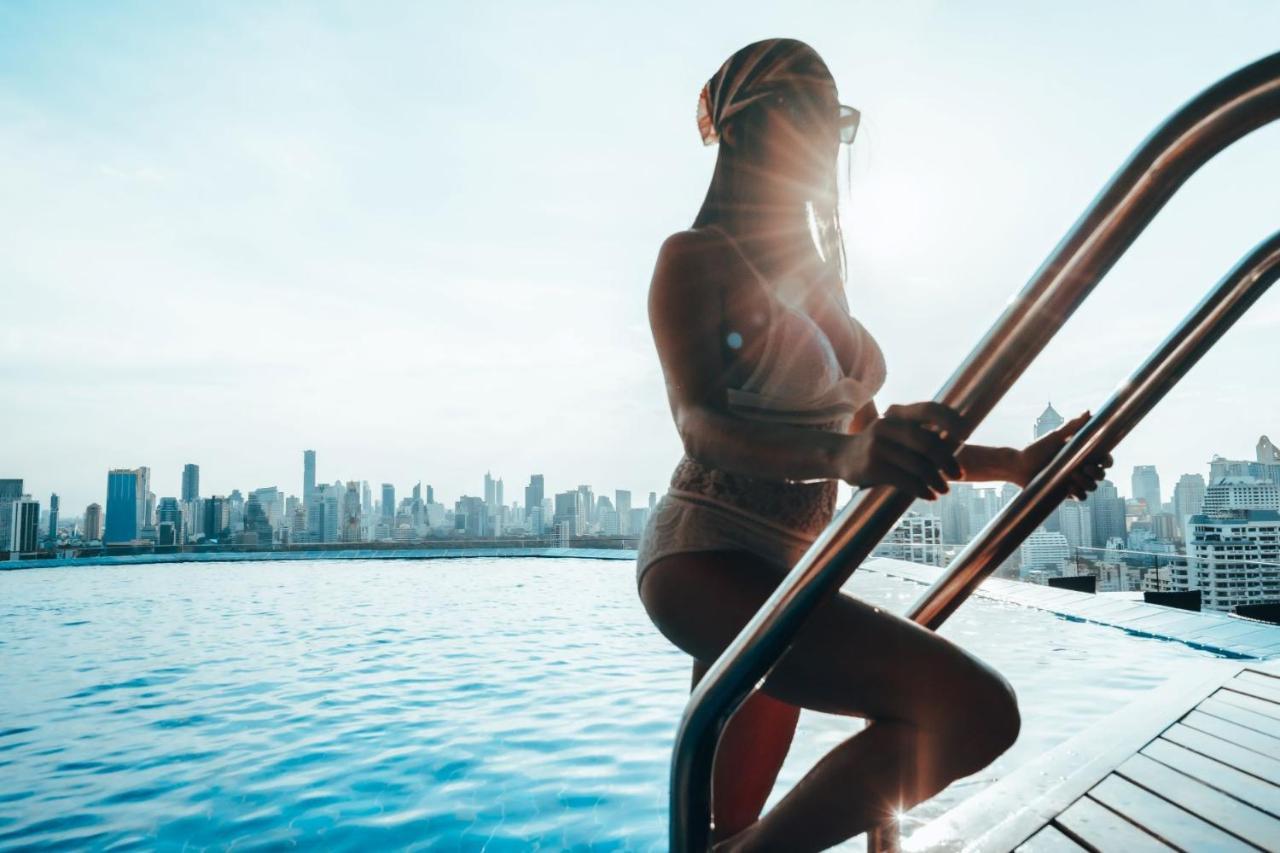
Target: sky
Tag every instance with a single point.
(418, 237)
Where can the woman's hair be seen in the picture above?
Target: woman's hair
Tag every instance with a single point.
(733, 97)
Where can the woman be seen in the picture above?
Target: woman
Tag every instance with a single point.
(770, 381)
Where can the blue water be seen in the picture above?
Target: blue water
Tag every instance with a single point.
(471, 704)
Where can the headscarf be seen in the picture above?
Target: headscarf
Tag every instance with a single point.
(755, 72)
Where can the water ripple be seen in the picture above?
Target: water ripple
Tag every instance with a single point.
(469, 704)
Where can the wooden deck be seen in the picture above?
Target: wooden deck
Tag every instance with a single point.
(1193, 766)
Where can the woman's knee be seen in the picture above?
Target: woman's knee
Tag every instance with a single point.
(987, 721)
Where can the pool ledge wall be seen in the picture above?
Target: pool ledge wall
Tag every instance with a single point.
(1221, 633)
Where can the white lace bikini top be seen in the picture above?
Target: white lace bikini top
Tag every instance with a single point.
(799, 379)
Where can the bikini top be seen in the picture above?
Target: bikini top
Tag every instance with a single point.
(799, 378)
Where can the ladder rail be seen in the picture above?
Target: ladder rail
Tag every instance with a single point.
(1127, 406)
(1220, 115)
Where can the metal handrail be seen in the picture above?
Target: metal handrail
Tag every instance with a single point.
(1217, 117)
(1130, 403)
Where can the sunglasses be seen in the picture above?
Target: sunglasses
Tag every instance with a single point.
(847, 118)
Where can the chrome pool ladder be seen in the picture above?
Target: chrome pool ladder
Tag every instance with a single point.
(1213, 120)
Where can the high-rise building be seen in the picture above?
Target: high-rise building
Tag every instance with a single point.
(388, 503)
(24, 525)
(92, 523)
(308, 474)
(1107, 510)
(1146, 487)
(190, 482)
(1188, 498)
(52, 538)
(588, 500)
(1048, 421)
(570, 511)
(1267, 452)
(490, 492)
(915, 538)
(217, 518)
(1076, 523)
(471, 516)
(622, 498)
(127, 490)
(351, 510)
(1232, 493)
(1233, 558)
(653, 500)
(273, 506)
(169, 511)
(10, 491)
(1044, 552)
(366, 498)
(533, 497)
(257, 527)
(497, 493)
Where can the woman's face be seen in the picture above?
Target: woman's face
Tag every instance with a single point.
(801, 138)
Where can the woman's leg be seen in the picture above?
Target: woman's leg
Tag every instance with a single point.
(752, 748)
(937, 713)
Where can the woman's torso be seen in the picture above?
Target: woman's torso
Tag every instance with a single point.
(796, 378)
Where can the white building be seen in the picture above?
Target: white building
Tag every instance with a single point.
(1075, 522)
(24, 525)
(1240, 492)
(915, 538)
(1232, 558)
(1045, 552)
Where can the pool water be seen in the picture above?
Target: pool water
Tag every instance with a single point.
(462, 704)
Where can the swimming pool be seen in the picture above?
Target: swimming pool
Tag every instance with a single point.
(460, 704)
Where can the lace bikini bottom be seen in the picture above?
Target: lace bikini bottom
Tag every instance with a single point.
(683, 522)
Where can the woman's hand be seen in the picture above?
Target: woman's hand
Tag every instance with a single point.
(911, 447)
(1033, 459)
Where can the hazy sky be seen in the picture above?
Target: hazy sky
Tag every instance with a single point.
(418, 237)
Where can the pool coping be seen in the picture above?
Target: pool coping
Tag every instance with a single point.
(1220, 633)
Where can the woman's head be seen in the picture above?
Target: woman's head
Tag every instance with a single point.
(772, 109)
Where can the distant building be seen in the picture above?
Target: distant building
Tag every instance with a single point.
(533, 497)
(569, 510)
(915, 538)
(622, 499)
(1267, 452)
(471, 516)
(92, 523)
(127, 490)
(1236, 492)
(1146, 487)
(1048, 421)
(24, 525)
(388, 504)
(52, 538)
(217, 518)
(257, 524)
(190, 482)
(1107, 512)
(1044, 552)
(1188, 499)
(1076, 523)
(10, 491)
(308, 475)
(1233, 558)
(351, 511)
(169, 511)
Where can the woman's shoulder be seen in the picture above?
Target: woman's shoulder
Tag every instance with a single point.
(694, 254)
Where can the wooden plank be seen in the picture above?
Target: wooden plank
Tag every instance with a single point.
(1003, 815)
(1251, 703)
(1197, 798)
(1258, 672)
(1162, 818)
(1237, 756)
(1250, 789)
(1260, 686)
(1234, 733)
(1103, 829)
(1241, 716)
(1050, 840)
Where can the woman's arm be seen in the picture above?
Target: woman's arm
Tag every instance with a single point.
(686, 307)
(984, 464)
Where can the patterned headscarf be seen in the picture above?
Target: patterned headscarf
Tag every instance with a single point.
(751, 74)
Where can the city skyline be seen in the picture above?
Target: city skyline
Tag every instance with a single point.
(326, 290)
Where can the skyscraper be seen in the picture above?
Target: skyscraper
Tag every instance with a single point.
(1107, 510)
(126, 505)
(1188, 498)
(1267, 452)
(308, 474)
(190, 482)
(1048, 421)
(24, 529)
(217, 518)
(489, 490)
(53, 520)
(10, 491)
(497, 493)
(1146, 487)
(92, 523)
(388, 504)
(533, 498)
(622, 498)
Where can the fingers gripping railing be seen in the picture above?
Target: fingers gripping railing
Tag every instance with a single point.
(1220, 115)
